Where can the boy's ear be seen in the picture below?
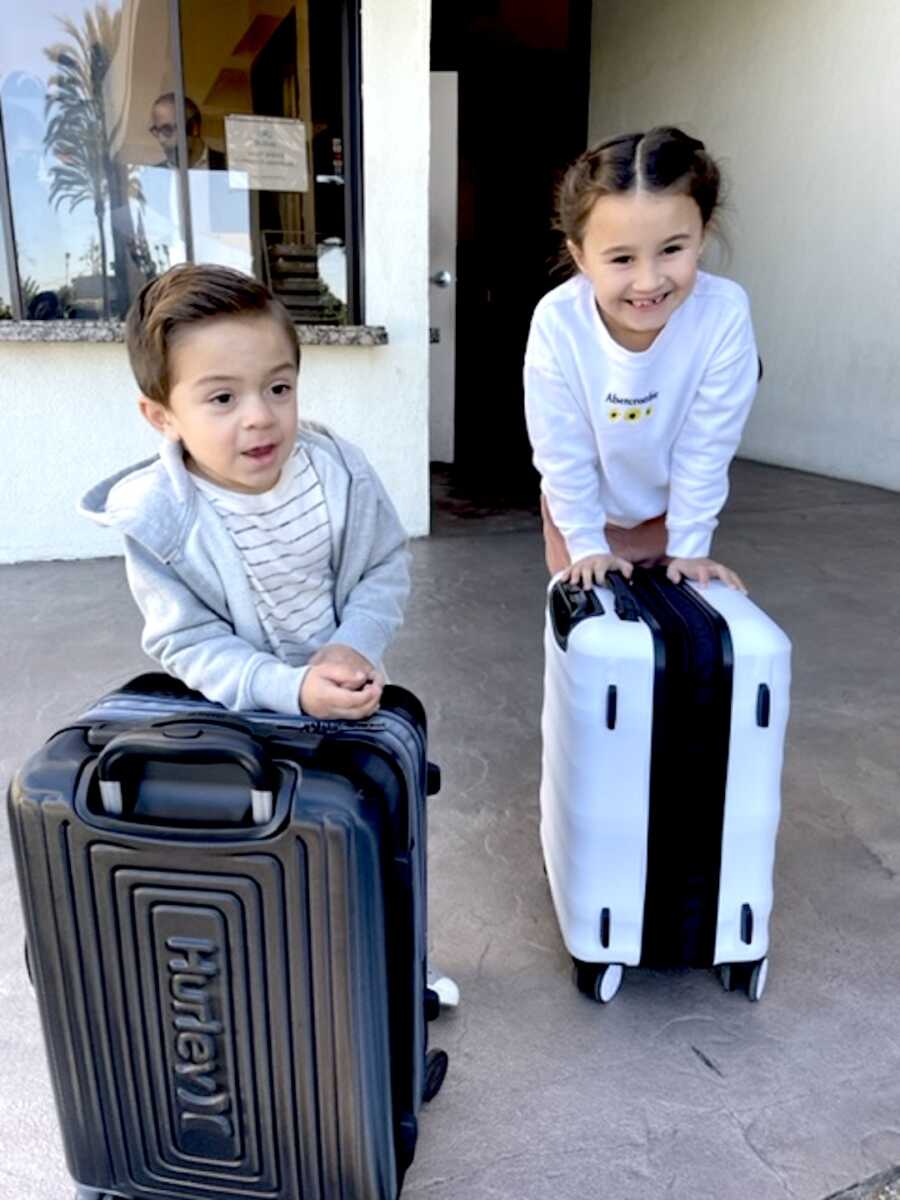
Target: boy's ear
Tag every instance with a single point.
(158, 416)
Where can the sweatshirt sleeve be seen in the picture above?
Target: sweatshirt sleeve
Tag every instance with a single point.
(373, 610)
(195, 645)
(707, 442)
(565, 448)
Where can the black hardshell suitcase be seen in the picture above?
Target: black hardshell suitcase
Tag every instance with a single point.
(225, 927)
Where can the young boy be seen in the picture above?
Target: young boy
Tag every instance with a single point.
(267, 560)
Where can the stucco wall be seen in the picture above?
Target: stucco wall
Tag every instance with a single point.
(67, 414)
(800, 99)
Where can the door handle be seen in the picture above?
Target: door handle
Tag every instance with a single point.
(442, 279)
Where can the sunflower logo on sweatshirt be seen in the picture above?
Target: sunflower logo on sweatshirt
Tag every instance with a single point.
(630, 409)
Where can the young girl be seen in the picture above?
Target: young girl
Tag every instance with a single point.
(640, 370)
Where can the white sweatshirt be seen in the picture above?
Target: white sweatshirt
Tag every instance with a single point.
(621, 436)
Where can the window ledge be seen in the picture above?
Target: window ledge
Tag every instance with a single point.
(114, 331)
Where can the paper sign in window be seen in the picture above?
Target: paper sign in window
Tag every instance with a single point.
(267, 154)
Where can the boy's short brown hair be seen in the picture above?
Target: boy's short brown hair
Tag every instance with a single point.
(183, 296)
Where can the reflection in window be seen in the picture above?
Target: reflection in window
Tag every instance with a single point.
(269, 86)
(99, 196)
(86, 238)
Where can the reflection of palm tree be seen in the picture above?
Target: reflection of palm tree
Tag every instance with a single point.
(30, 289)
(76, 134)
(91, 257)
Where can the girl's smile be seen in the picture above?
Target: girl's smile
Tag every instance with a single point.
(650, 303)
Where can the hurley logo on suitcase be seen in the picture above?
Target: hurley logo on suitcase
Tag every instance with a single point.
(204, 1101)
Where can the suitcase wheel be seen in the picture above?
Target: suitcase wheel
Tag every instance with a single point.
(749, 977)
(432, 1005)
(407, 1133)
(600, 981)
(436, 1063)
(756, 981)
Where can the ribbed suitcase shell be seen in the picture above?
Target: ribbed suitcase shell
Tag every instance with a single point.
(603, 788)
(232, 1012)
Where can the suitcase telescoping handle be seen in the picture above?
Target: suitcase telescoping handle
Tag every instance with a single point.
(186, 744)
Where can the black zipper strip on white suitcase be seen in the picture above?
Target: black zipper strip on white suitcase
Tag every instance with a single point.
(689, 765)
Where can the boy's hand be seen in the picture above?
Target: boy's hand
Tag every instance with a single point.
(334, 691)
(702, 570)
(341, 683)
(345, 656)
(588, 571)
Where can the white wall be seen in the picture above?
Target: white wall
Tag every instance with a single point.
(389, 410)
(67, 412)
(801, 100)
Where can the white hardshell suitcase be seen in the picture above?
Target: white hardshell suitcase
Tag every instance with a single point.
(663, 731)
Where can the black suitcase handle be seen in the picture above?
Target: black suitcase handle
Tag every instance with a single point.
(627, 608)
(186, 743)
(569, 604)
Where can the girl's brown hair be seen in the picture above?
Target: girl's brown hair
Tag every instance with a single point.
(183, 296)
(664, 159)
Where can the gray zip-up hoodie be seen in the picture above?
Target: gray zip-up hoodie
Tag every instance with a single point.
(187, 577)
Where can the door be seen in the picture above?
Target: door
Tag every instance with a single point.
(442, 264)
(524, 74)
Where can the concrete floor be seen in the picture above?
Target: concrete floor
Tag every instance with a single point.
(677, 1089)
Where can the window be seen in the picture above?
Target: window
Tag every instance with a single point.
(142, 133)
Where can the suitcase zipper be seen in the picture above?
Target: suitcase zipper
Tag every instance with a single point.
(684, 844)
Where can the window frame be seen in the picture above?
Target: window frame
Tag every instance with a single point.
(351, 78)
(354, 226)
(12, 283)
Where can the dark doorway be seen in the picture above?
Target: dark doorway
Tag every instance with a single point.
(524, 74)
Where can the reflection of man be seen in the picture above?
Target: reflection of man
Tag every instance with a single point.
(165, 129)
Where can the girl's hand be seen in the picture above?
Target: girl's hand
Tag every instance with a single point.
(588, 571)
(702, 570)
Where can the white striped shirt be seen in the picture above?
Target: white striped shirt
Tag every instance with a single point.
(284, 539)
